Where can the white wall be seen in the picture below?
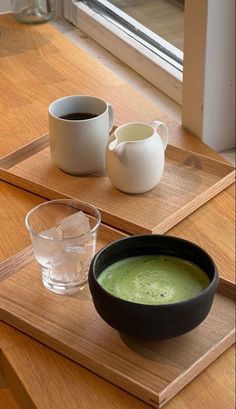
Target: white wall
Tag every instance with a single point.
(208, 108)
(5, 6)
(219, 92)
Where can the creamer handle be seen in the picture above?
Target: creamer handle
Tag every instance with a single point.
(113, 145)
(162, 130)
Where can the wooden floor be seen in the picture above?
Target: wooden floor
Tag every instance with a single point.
(163, 17)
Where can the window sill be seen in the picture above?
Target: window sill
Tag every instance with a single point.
(124, 72)
(153, 68)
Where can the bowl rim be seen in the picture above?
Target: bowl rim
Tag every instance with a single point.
(213, 283)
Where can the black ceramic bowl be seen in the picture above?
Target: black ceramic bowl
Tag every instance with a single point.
(152, 321)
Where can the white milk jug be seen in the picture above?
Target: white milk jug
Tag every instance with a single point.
(135, 156)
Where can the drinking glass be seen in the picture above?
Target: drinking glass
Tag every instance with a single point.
(33, 11)
(63, 234)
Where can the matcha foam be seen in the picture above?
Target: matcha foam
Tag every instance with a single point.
(154, 279)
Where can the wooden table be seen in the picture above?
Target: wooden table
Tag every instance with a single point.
(37, 65)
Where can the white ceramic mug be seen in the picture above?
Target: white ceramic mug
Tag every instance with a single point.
(135, 156)
(78, 146)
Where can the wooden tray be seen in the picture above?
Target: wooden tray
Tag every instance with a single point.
(153, 371)
(189, 181)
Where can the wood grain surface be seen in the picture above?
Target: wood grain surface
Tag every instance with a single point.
(9, 266)
(153, 371)
(6, 400)
(189, 180)
(28, 360)
(15, 204)
(213, 228)
(75, 386)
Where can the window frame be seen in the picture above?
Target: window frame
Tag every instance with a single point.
(201, 105)
(159, 72)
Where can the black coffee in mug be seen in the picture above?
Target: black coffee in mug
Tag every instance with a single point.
(78, 116)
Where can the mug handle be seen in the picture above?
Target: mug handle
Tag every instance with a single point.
(111, 116)
(164, 134)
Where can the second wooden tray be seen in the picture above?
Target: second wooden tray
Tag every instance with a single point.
(189, 180)
(153, 371)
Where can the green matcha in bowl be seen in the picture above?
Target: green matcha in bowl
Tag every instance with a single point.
(154, 279)
(153, 286)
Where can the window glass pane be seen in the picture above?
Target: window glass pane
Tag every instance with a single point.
(163, 17)
(134, 17)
